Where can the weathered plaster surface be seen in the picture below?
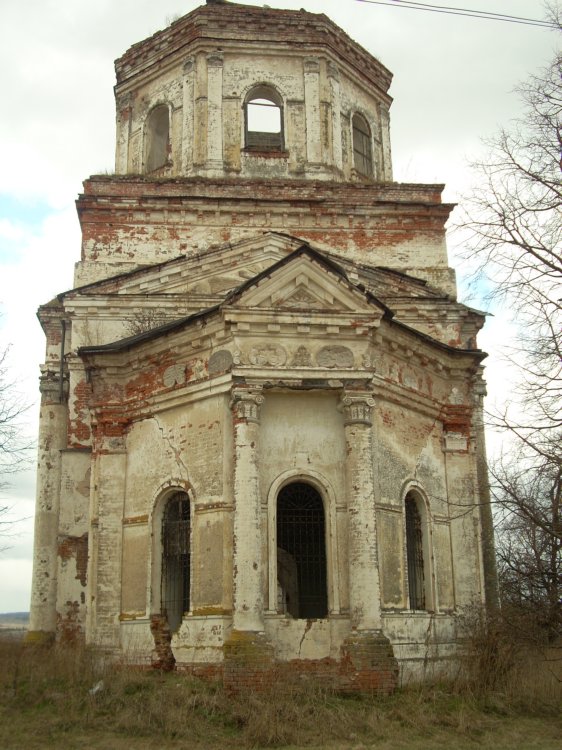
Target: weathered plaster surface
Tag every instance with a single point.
(305, 329)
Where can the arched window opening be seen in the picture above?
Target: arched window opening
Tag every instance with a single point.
(264, 120)
(414, 550)
(176, 536)
(301, 552)
(158, 138)
(362, 153)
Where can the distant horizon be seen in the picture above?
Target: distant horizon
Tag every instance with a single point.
(14, 614)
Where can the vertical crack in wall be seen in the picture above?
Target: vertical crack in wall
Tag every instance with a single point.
(175, 450)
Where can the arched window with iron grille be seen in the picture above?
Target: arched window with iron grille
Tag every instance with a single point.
(176, 562)
(301, 551)
(414, 552)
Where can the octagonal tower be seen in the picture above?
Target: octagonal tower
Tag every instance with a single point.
(242, 91)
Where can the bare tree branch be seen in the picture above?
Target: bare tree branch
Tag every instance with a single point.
(514, 223)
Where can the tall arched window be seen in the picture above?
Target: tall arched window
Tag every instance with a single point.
(176, 538)
(415, 553)
(157, 136)
(301, 552)
(263, 120)
(362, 149)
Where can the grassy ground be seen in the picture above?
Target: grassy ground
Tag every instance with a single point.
(50, 698)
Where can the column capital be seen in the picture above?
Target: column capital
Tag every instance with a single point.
(245, 403)
(333, 71)
(357, 407)
(125, 101)
(311, 65)
(215, 59)
(50, 387)
(188, 65)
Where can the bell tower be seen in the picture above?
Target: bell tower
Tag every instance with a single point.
(261, 401)
(240, 91)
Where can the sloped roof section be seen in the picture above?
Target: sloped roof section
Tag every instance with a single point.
(327, 288)
(339, 294)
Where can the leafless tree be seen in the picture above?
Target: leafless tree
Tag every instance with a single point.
(514, 220)
(145, 320)
(527, 492)
(14, 447)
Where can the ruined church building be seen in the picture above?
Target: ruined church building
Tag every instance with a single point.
(261, 442)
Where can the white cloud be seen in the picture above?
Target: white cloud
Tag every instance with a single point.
(453, 83)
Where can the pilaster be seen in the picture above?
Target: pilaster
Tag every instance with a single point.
(312, 109)
(214, 117)
(490, 574)
(188, 116)
(107, 535)
(334, 78)
(384, 115)
(124, 113)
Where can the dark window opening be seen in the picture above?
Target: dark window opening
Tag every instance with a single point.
(176, 532)
(158, 138)
(301, 552)
(264, 121)
(362, 156)
(414, 549)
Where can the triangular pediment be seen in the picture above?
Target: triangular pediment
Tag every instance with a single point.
(305, 281)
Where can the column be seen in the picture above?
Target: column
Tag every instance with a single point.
(52, 440)
(364, 590)
(248, 593)
(367, 652)
(248, 656)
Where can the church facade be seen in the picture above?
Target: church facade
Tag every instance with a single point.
(261, 440)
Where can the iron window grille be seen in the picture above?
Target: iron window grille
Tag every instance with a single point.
(176, 562)
(301, 542)
(414, 550)
(362, 155)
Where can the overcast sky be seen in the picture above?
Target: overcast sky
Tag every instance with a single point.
(454, 80)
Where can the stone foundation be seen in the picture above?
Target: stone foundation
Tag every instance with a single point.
(248, 661)
(367, 665)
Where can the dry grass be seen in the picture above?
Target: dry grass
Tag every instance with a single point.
(46, 702)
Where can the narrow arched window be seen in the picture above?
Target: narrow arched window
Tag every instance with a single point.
(176, 537)
(263, 120)
(362, 150)
(157, 138)
(301, 552)
(414, 551)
